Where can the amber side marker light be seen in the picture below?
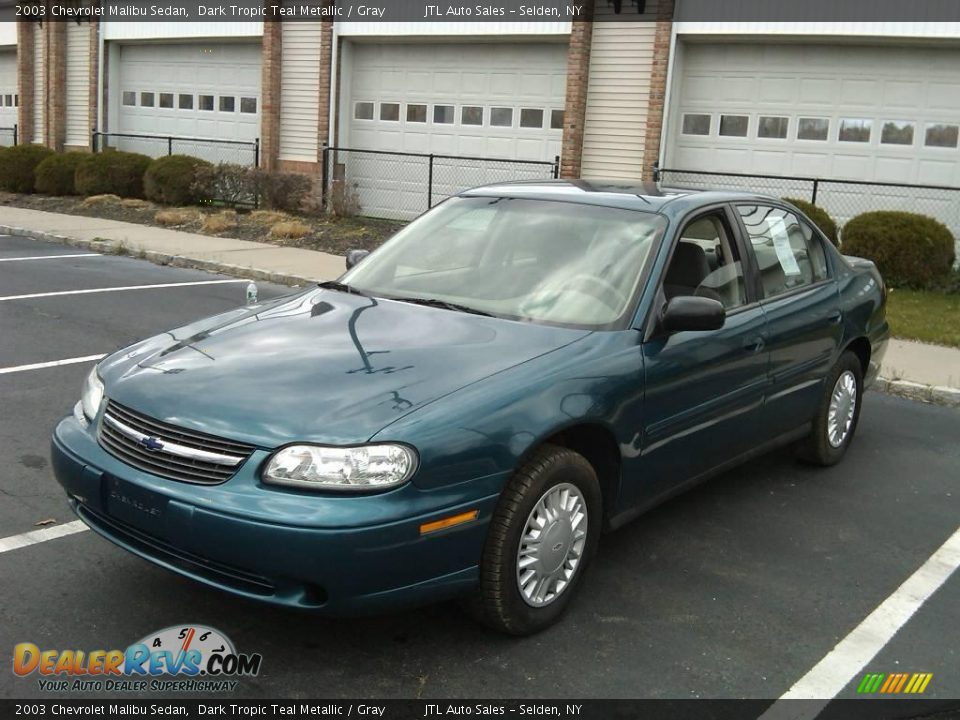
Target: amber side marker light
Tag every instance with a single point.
(448, 522)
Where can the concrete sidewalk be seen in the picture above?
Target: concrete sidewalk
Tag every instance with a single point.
(916, 370)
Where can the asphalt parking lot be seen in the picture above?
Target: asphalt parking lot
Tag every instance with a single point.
(735, 590)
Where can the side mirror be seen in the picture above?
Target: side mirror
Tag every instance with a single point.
(355, 256)
(692, 313)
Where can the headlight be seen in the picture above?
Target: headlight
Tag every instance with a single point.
(90, 397)
(369, 467)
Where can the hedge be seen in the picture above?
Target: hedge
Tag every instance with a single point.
(112, 172)
(18, 168)
(910, 250)
(55, 175)
(171, 180)
(820, 217)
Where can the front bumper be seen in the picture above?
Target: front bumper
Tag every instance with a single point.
(339, 554)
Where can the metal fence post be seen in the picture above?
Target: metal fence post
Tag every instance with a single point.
(816, 186)
(169, 146)
(324, 176)
(256, 153)
(430, 183)
(556, 167)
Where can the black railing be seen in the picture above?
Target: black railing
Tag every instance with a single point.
(240, 152)
(8, 136)
(401, 185)
(842, 199)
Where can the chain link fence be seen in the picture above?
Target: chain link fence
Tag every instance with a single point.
(238, 152)
(401, 185)
(843, 199)
(8, 136)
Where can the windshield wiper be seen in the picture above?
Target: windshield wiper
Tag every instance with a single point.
(443, 304)
(341, 287)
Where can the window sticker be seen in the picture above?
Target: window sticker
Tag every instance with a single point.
(781, 243)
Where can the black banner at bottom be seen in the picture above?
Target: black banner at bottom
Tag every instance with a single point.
(865, 709)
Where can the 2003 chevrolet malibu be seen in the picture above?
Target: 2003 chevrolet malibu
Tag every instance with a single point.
(467, 409)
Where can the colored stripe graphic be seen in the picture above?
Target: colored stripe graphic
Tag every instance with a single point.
(895, 683)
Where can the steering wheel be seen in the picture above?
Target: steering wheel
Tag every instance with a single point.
(602, 290)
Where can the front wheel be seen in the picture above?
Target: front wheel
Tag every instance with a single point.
(542, 536)
(837, 414)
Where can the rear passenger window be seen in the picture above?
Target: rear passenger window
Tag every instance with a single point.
(789, 254)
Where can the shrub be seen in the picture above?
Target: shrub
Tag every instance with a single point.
(282, 191)
(176, 216)
(112, 172)
(820, 217)
(171, 180)
(220, 222)
(290, 229)
(227, 183)
(910, 250)
(95, 200)
(17, 171)
(55, 174)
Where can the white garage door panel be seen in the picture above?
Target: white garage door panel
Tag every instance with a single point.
(78, 85)
(217, 69)
(8, 93)
(299, 91)
(502, 75)
(915, 84)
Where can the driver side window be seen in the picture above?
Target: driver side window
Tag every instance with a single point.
(706, 263)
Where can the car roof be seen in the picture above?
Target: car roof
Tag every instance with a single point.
(627, 194)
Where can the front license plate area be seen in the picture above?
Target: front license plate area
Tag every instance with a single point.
(134, 505)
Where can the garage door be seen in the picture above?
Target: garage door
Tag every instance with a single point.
(477, 100)
(885, 114)
(209, 90)
(8, 94)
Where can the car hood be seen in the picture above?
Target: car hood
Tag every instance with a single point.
(323, 366)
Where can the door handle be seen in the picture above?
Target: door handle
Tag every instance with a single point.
(835, 317)
(754, 345)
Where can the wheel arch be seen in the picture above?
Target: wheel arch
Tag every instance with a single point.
(860, 347)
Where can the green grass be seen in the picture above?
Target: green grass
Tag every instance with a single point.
(931, 317)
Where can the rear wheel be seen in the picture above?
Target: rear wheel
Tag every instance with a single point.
(542, 536)
(836, 420)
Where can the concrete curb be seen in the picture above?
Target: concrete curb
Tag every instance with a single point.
(937, 394)
(115, 247)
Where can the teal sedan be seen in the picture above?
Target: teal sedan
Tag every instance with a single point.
(467, 409)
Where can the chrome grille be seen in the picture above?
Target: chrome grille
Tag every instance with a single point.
(167, 450)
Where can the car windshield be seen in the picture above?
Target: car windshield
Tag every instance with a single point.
(543, 261)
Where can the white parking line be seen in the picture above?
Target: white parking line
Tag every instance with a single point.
(119, 289)
(829, 676)
(38, 536)
(52, 363)
(50, 257)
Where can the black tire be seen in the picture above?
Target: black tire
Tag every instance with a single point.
(498, 601)
(816, 448)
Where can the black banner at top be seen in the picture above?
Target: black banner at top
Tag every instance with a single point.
(520, 11)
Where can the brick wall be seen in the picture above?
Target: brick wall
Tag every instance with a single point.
(25, 80)
(270, 93)
(94, 104)
(578, 75)
(658, 86)
(56, 99)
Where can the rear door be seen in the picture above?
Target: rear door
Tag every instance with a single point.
(799, 295)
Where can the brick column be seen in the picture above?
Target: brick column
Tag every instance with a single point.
(658, 86)
(326, 61)
(25, 89)
(575, 107)
(270, 93)
(56, 99)
(93, 97)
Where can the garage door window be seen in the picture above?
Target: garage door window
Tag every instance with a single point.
(531, 118)
(363, 111)
(8, 100)
(694, 124)
(734, 125)
(185, 102)
(443, 114)
(774, 128)
(129, 98)
(248, 105)
(471, 115)
(390, 111)
(146, 99)
(556, 119)
(813, 129)
(896, 132)
(205, 102)
(501, 117)
(416, 113)
(941, 135)
(855, 130)
(166, 100)
(228, 103)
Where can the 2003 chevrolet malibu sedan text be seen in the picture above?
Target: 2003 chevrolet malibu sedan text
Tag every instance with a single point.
(467, 408)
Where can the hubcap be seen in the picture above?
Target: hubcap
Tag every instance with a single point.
(843, 406)
(551, 545)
